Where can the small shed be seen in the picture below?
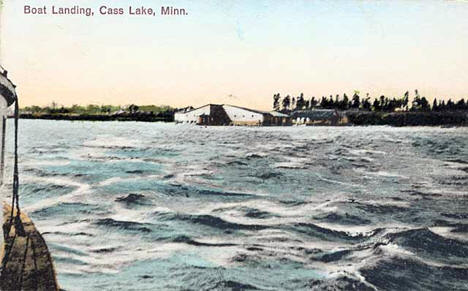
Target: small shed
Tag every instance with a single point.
(316, 117)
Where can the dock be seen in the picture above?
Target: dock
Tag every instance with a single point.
(26, 260)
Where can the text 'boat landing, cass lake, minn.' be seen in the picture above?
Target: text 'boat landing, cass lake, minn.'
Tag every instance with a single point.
(104, 10)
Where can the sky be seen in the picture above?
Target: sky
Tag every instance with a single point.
(235, 52)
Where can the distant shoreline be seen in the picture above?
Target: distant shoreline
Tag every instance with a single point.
(397, 119)
(100, 117)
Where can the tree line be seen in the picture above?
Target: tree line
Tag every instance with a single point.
(93, 109)
(356, 102)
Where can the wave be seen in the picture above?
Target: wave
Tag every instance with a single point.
(61, 233)
(427, 244)
(327, 234)
(190, 241)
(346, 219)
(334, 256)
(249, 212)
(268, 175)
(236, 163)
(210, 221)
(342, 282)
(255, 156)
(290, 165)
(104, 250)
(382, 209)
(397, 273)
(460, 228)
(229, 285)
(256, 213)
(188, 191)
(69, 209)
(125, 225)
(132, 199)
(456, 215)
(68, 260)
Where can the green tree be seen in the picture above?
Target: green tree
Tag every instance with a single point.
(366, 105)
(434, 105)
(286, 102)
(405, 101)
(300, 102)
(276, 101)
(424, 104)
(376, 105)
(133, 108)
(313, 103)
(356, 102)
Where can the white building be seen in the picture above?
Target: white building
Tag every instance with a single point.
(244, 116)
(192, 116)
(223, 114)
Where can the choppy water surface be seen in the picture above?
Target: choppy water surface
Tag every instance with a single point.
(138, 206)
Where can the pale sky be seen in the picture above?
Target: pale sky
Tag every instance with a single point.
(237, 52)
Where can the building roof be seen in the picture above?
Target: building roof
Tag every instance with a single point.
(243, 108)
(247, 109)
(187, 110)
(278, 114)
(272, 113)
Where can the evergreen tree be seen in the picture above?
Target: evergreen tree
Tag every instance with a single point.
(366, 105)
(443, 106)
(300, 102)
(405, 101)
(286, 102)
(382, 102)
(434, 105)
(450, 105)
(415, 104)
(344, 104)
(356, 102)
(324, 102)
(461, 104)
(276, 102)
(424, 104)
(376, 105)
(313, 103)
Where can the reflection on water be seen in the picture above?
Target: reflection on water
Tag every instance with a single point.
(126, 205)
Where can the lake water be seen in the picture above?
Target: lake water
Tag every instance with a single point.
(152, 206)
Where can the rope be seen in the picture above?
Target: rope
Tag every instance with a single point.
(15, 174)
(15, 197)
(2, 157)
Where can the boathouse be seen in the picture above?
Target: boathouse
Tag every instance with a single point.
(223, 114)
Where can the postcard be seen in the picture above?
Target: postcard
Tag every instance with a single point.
(234, 145)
